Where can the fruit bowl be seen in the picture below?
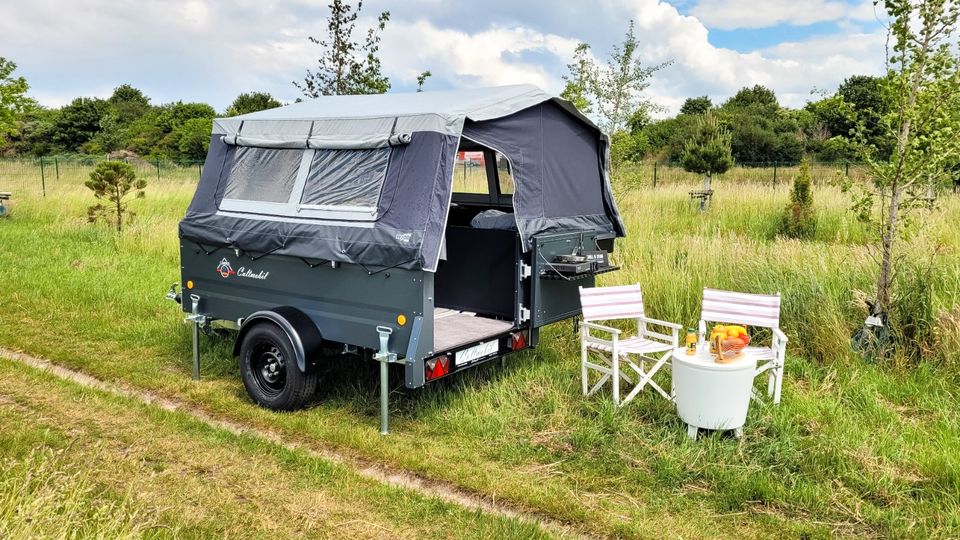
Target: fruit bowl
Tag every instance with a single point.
(727, 342)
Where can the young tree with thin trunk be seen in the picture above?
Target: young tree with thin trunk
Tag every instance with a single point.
(707, 152)
(346, 66)
(422, 79)
(617, 87)
(112, 182)
(576, 89)
(923, 86)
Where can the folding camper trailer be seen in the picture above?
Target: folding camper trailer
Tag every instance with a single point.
(342, 228)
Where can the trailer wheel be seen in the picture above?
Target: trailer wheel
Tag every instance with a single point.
(269, 369)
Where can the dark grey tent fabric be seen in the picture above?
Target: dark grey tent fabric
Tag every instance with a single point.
(559, 161)
(410, 210)
(559, 170)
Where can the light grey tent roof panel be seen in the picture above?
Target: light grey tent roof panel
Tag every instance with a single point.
(440, 111)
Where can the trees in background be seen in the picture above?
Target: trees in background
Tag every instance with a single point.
(78, 123)
(696, 105)
(346, 66)
(13, 97)
(249, 102)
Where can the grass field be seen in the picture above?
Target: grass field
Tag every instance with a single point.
(854, 450)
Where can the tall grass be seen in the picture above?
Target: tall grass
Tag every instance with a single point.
(47, 495)
(853, 450)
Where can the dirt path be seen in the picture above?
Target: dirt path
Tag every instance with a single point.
(373, 471)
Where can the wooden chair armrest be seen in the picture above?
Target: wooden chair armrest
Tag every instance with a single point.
(780, 335)
(596, 326)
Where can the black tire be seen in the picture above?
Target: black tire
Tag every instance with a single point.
(269, 369)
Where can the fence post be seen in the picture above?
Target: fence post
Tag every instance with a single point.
(654, 174)
(774, 175)
(56, 163)
(199, 170)
(43, 179)
(846, 169)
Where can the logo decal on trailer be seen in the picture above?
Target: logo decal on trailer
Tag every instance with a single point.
(224, 269)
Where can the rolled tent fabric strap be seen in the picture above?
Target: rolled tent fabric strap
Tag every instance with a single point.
(240, 140)
(360, 143)
(320, 142)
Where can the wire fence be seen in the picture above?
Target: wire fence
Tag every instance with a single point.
(770, 174)
(48, 175)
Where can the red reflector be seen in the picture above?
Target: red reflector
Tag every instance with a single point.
(436, 367)
(518, 341)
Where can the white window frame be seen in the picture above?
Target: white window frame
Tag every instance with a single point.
(294, 209)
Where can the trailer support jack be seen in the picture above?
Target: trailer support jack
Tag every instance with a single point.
(198, 319)
(384, 356)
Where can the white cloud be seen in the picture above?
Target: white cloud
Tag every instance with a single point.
(487, 58)
(732, 14)
(211, 50)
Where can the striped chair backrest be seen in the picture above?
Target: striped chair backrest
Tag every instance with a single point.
(606, 303)
(762, 310)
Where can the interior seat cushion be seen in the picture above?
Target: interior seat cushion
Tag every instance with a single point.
(494, 219)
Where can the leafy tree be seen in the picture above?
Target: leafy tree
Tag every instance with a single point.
(707, 152)
(617, 86)
(799, 219)
(112, 182)
(128, 103)
(576, 89)
(753, 96)
(867, 104)
(422, 79)
(13, 97)
(249, 102)
(346, 66)
(35, 135)
(78, 122)
(923, 85)
(696, 105)
(193, 138)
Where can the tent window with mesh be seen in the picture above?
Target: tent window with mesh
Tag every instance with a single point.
(262, 174)
(345, 179)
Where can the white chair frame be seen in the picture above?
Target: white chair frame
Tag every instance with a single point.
(645, 345)
(757, 310)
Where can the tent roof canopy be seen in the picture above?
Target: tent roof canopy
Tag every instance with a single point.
(369, 179)
(448, 107)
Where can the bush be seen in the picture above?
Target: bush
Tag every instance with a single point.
(799, 219)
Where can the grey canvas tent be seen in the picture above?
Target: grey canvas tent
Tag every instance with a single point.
(368, 179)
(335, 230)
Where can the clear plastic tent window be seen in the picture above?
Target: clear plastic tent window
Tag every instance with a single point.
(346, 178)
(263, 174)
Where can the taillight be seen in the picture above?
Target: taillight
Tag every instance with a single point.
(435, 368)
(518, 341)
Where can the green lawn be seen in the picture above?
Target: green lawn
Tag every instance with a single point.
(854, 450)
(80, 463)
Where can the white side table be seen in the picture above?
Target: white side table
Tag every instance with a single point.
(711, 395)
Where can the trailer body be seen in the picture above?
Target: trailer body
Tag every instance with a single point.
(339, 228)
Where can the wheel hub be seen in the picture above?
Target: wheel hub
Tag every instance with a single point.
(272, 365)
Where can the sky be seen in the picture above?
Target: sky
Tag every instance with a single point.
(212, 50)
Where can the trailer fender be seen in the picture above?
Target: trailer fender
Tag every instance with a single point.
(303, 333)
